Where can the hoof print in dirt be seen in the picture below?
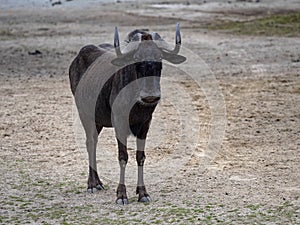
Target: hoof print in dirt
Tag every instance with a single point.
(122, 201)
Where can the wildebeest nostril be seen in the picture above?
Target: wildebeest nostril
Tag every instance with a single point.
(151, 99)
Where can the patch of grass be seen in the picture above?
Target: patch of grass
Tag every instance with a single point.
(65, 223)
(233, 210)
(34, 217)
(273, 25)
(5, 34)
(41, 203)
(253, 207)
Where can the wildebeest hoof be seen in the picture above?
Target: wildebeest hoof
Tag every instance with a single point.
(121, 195)
(122, 201)
(100, 187)
(145, 199)
(95, 189)
(143, 195)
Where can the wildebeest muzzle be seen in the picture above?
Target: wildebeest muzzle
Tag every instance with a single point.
(149, 73)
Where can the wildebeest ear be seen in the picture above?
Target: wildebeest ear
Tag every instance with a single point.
(173, 58)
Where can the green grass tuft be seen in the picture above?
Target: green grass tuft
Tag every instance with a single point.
(273, 25)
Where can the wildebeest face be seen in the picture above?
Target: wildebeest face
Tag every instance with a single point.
(148, 68)
(148, 79)
(146, 51)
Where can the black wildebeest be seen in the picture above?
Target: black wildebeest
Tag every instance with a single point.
(122, 92)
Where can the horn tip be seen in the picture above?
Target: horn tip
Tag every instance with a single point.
(116, 38)
(116, 29)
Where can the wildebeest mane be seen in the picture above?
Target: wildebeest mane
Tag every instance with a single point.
(133, 35)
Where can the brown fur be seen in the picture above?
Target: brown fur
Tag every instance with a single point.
(146, 37)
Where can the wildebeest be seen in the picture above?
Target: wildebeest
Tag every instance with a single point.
(120, 91)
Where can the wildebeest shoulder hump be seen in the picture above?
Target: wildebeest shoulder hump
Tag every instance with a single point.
(86, 56)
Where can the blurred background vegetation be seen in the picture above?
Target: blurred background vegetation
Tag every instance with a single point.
(287, 24)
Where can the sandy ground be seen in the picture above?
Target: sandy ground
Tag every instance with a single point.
(254, 175)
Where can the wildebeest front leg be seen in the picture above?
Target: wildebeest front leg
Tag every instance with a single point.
(94, 182)
(123, 159)
(140, 158)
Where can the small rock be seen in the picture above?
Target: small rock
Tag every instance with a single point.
(56, 3)
(36, 52)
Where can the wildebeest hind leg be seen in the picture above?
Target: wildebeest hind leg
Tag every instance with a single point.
(94, 182)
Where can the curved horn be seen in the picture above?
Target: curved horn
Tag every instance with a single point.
(117, 43)
(176, 49)
(172, 55)
(177, 40)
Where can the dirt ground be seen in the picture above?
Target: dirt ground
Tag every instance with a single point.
(238, 106)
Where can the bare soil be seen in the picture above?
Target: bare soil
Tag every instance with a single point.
(253, 177)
